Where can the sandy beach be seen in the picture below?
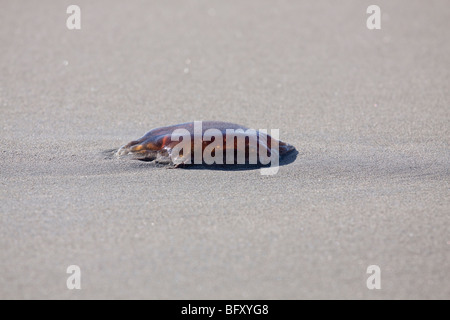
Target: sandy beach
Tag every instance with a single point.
(367, 110)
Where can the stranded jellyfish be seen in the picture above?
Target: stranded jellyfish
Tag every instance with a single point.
(206, 142)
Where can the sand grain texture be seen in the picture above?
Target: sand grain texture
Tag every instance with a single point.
(367, 110)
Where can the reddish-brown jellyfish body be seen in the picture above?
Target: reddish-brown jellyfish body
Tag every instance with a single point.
(203, 140)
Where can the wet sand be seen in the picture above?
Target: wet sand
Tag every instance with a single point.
(368, 112)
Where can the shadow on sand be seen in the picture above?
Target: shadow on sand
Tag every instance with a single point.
(285, 160)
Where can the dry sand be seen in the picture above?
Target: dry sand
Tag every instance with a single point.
(367, 110)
